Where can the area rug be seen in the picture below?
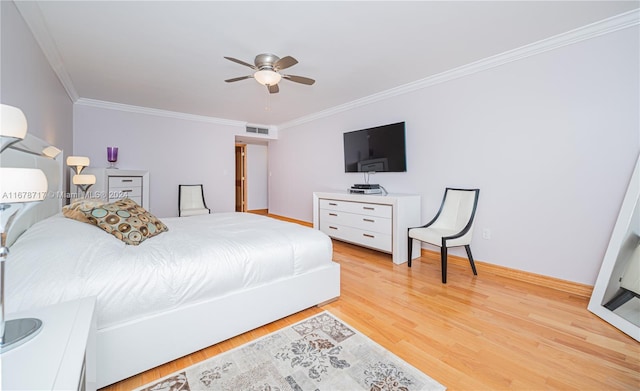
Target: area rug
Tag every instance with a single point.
(318, 353)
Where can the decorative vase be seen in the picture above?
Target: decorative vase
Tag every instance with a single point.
(112, 156)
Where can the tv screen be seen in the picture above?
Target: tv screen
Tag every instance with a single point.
(379, 149)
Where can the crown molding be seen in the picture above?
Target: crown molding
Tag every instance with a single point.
(605, 26)
(32, 16)
(158, 112)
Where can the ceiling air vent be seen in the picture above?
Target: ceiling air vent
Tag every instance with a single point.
(253, 129)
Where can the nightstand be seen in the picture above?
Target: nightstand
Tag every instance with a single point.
(113, 184)
(61, 356)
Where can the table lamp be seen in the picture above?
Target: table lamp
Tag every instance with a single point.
(78, 163)
(84, 181)
(20, 189)
(14, 125)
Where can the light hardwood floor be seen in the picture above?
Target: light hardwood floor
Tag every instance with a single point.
(487, 332)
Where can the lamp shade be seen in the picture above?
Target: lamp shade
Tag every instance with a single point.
(78, 162)
(84, 179)
(267, 77)
(22, 185)
(13, 123)
(75, 161)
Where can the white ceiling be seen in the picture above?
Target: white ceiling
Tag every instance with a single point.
(169, 55)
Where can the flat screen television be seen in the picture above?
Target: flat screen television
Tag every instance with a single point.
(378, 149)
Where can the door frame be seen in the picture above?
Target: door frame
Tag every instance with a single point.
(242, 161)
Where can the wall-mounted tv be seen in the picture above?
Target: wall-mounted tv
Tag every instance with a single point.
(378, 149)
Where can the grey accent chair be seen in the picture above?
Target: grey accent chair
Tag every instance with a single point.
(452, 226)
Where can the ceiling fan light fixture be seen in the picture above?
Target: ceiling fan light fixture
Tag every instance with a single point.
(267, 77)
(266, 71)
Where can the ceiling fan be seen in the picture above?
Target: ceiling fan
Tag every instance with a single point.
(267, 69)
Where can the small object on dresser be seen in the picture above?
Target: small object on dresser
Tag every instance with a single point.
(366, 188)
(112, 156)
(355, 190)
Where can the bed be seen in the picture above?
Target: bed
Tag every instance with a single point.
(206, 279)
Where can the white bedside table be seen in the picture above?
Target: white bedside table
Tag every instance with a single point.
(61, 356)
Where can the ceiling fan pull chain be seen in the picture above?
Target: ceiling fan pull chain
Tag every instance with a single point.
(267, 105)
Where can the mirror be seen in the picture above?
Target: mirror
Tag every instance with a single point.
(616, 294)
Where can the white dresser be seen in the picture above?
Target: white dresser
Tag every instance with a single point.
(61, 356)
(114, 184)
(374, 221)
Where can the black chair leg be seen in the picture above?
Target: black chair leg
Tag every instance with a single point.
(443, 261)
(410, 241)
(473, 265)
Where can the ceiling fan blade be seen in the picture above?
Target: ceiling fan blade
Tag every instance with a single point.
(284, 63)
(299, 79)
(238, 79)
(273, 89)
(241, 62)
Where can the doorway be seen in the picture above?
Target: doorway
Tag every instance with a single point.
(252, 175)
(241, 177)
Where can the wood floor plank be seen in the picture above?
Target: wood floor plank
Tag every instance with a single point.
(485, 332)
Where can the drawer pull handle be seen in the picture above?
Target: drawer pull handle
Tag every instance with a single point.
(332, 214)
(333, 204)
(369, 220)
(331, 227)
(126, 191)
(127, 180)
(369, 236)
(368, 208)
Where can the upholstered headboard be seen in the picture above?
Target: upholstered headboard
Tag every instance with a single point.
(28, 153)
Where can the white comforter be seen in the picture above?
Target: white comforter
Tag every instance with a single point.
(200, 257)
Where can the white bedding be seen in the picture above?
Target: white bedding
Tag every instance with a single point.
(200, 257)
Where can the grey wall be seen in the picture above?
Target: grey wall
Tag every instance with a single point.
(174, 151)
(28, 82)
(551, 141)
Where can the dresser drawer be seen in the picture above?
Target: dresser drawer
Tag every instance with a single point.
(137, 200)
(124, 181)
(357, 207)
(364, 222)
(117, 193)
(361, 237)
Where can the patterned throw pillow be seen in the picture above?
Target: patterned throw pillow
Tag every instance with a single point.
(127, 221)
(79, 209)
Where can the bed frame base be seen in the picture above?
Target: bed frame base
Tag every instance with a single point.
(136, 346)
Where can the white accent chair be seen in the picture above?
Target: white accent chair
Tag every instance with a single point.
(452, 226)
(191, 201)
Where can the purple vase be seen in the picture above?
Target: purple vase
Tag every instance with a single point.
(112, 156)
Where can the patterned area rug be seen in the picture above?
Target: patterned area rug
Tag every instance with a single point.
(319, 353)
